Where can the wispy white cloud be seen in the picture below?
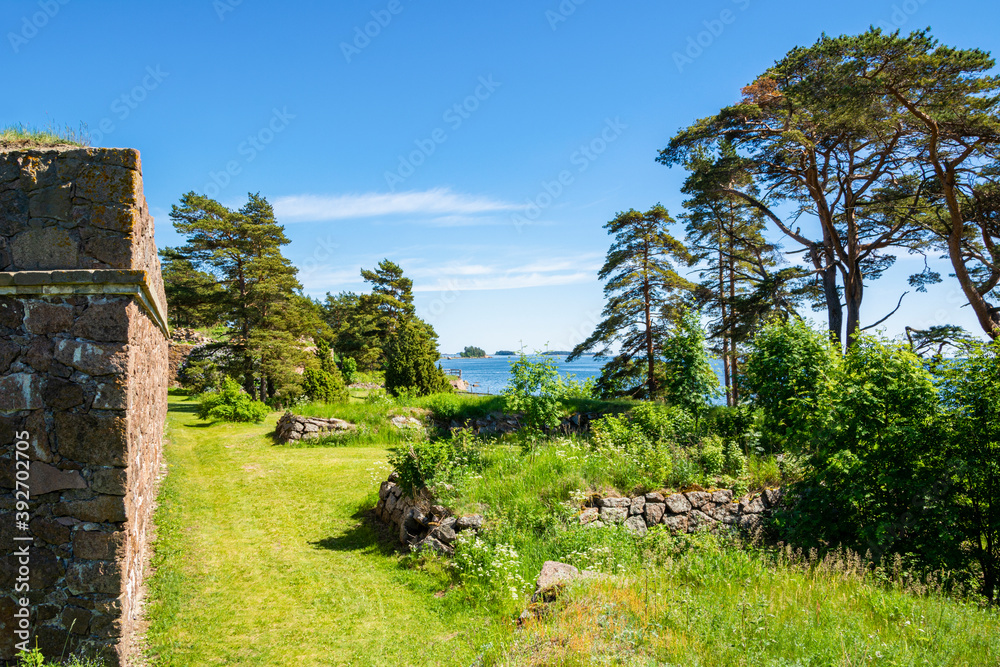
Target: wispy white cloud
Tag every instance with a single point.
(506, 281)
(442, 205)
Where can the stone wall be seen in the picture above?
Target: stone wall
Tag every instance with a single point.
(417, 521)
(83, 379)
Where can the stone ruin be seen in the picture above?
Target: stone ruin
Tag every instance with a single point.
(83, 388)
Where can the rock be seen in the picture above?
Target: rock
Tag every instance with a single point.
(596, 524)
(93, 358)
(89, 438)
(636, 524)
(698, 520)
(724, 513)
(751, 505)
(614, 514)
(589, 515)
(46, 479)
(677, 503)
(636, 505)
(553, 577)
(445, 534)
(97, 545)
(654, 512)
(41, 249)
(654, 497)
(434, 545)
(470, 522)
(20, 391)
(722, 496)
(102, 322)
(101, 509)
(402, 422)
(614, 502)
(749, 522)
(677, 523)
(95, 576)
(414, 521)
(773, 497)
(698, 498)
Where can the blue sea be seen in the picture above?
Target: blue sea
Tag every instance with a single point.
(490, 375)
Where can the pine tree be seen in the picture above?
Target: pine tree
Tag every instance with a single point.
(642, 289)
(411, 358)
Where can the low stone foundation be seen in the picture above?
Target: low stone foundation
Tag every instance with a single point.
(418, 522)
(683, 512)
(296, 427)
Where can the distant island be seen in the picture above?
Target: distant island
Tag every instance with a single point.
(472, 352)
(504, 353)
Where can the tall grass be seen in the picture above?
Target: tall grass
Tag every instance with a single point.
(20, 135)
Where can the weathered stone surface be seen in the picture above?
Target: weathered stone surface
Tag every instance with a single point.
(699, 520)
(614, 514)
(101, 184)
(103, 322)
(59, 394)
(554, 576)
(749, 522)
(614, 502)
(11, 311)
(677, 503)
(635, 507)
(677, 522)
(97, 545)
(46, 479)
(654, 497)
(42, 318)
(38, 354)
(93, 358)
(54, 203)
(76, 620)
(9, 351)
(51, 531)
(111, 395)
(20, 391)
(722, 496)
(444, 533)
(295, 427)
(95, 576)
(636, 524)
(589, 515)
(469, 522)
(773, 497)
(752, 505)
(44, 248)
(96, 439)
(98, 510)
(698, 498)
(654, 512)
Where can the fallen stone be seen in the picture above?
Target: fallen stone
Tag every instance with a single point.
(589, 515)
(636, 524)
(470, 522)
(614, 514)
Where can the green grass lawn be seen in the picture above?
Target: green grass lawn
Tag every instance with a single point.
(263, 558)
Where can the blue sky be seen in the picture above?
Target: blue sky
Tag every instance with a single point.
(481, 146)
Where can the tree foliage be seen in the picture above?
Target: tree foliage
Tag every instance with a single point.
(642, 291)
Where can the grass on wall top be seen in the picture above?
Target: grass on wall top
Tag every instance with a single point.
(27, 136)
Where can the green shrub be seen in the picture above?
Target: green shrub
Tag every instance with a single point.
(349, 369)
(200, 375)
(444, 406)
(324, 386)
(422, 463)
(713, 460)
(789, 373)
(733, 459)
(230, 403)
(534, 389)
(410, 366)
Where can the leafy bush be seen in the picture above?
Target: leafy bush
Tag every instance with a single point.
(689, 381)
(200, 375)
(230, 403)
(34, 658)
(534, 389)
(789, 372)
(422, 463)
(349, 370)
(444, 406)
(324, 386)
(713, 460)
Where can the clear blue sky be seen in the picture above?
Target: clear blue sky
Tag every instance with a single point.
(365, 155)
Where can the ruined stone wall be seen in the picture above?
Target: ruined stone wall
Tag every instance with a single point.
(83, 378)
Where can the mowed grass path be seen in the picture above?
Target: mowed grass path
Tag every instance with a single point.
(263, 558)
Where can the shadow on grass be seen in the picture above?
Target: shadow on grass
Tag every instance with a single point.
(365, 535)
(183, 407)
